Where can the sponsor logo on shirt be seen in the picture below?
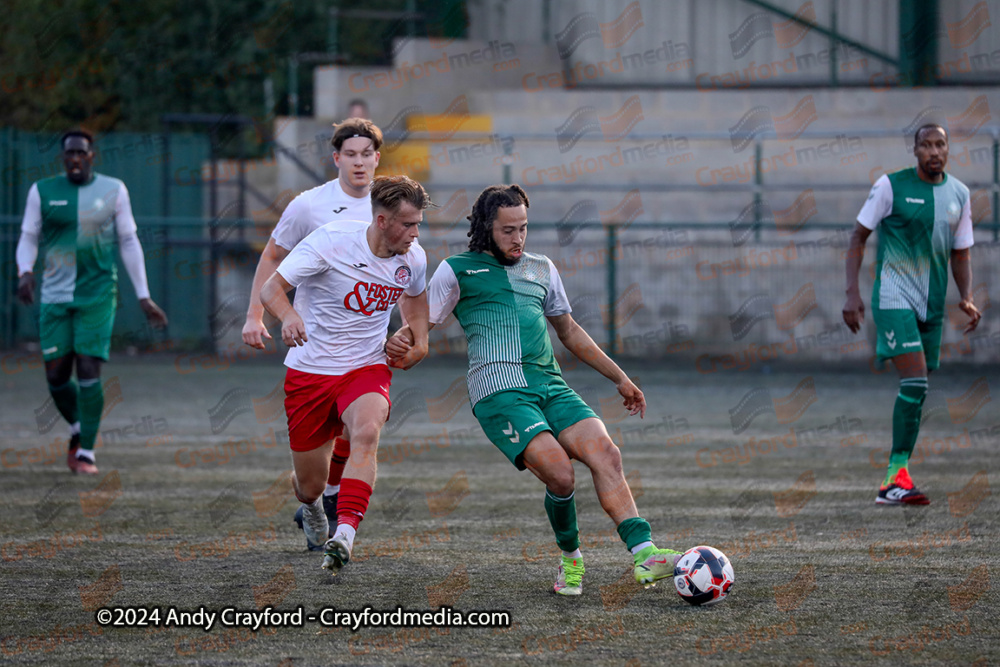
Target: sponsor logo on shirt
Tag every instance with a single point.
(370, 298)
(911, 200)
(58, 202)
(403, 275)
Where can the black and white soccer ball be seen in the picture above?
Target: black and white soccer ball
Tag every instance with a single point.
(703, 575)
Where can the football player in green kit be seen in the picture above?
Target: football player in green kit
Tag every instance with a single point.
(924, 219)
(503, 298)
(76, 218)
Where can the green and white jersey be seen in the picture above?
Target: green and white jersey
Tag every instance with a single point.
(76, 227)
(502, 310)
(919, 225)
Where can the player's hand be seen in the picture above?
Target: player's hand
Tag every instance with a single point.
(410, 359)
(26, 288)
(634, 401)
(293, 330)
(854, 312)
(254, 333)
(970, 309)
(399, 344)
(154, 314)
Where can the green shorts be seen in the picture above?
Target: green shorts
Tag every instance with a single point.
(900, 332)
(511, 418)
(81, 328)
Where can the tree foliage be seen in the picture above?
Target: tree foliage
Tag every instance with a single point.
(111, 64)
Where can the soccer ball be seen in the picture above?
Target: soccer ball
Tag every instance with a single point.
(703, 575)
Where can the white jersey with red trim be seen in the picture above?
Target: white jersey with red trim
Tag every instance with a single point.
(344, 294)
(317, 207)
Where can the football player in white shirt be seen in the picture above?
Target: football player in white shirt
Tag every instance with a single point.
(355, 153)
(347, 281)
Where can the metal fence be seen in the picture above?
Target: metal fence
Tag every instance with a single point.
(741, 272)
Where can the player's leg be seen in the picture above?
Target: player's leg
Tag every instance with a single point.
(362, 402)
(900, 341)
(587, 441)
(363, 420)
(308, 481)
(548, 461)
(92, 326)
(310, 405)
(514, 423)
(56, 337)
(88, 373)
(341, 450)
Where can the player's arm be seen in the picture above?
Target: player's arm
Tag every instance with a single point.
(254, 331)
(583, 347)
(289, 232)
(133, 259)
(961, 268)
(274, 299)
(27, 247)
(877, 206)
(307, 258)
(414, 342)
(442, 294)
(854, 307)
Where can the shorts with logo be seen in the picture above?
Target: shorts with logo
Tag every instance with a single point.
(511, 418)
(899, 332)
(315, 403)
(81, 327)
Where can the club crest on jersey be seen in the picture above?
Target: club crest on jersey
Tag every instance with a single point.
(403, 275)
(370, 298)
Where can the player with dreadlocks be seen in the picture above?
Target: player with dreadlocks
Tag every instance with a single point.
(502, 297)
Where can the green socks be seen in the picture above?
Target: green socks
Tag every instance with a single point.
(562, 517)
(905, 423)
(91, 408)
(65, 398)
(634, 532)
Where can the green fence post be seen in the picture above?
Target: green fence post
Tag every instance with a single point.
(612, 290)
(758, 179)
(996, 187)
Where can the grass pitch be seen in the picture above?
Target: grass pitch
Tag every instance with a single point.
(192, 509)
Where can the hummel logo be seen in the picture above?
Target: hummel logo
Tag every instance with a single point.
(339, 209)
(472, 271)
(58, 202)
(359, 265)
(534, 426)
(916, 344)
(510, 429)
(896, 494)
(890, 335)
(911, 200)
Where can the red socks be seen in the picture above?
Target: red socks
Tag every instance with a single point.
(341, 450)
(352, 503)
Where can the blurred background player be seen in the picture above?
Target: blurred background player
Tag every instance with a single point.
(502, 296)
(347, 280)
(358, 108)
(924, 218)
(346, 198)
(78, 216)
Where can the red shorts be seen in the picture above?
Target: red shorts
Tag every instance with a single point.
(314, 403)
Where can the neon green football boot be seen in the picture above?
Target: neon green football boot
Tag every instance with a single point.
(652, 564)
(569, 580)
